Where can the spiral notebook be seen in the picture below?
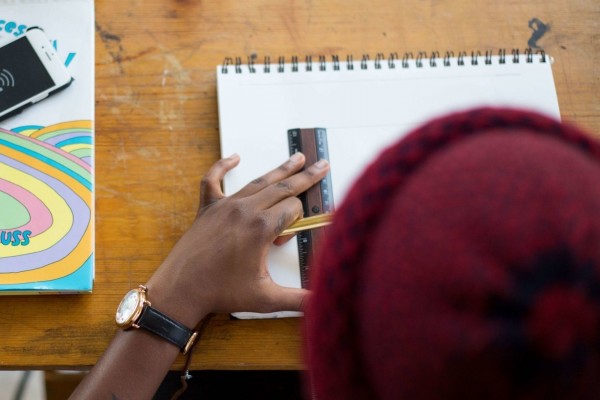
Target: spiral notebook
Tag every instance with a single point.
(365, 105)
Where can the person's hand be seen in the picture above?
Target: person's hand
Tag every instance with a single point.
(220, 263)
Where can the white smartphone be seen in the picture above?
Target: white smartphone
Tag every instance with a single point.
(30, 71)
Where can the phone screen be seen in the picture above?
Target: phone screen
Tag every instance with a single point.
(22, 74)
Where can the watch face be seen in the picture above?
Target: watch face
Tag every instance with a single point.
(128, 307)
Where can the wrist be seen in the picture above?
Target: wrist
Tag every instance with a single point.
(174, 300)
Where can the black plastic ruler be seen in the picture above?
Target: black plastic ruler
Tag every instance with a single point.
(316, 200)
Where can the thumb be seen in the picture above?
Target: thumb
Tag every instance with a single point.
(288, 299)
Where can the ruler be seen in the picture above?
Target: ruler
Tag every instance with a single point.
(316, 200)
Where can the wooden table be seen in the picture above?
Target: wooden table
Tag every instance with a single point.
(157, 133)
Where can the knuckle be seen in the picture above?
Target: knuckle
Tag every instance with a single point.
(285, 187)
(261, 223)
(311, 172)
(282, 221)
(285, 167)
(297, 205)
(205, 183)
(238, 210)
(215, 170)
(222, 163)
(258, 181)
(257, 222)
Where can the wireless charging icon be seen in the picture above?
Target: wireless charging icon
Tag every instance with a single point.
(6, 80)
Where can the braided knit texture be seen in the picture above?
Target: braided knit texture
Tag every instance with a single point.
(464, 263)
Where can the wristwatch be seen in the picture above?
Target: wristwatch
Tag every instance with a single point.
(135, 311)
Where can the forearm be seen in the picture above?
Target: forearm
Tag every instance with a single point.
(137, 360)
(132, 367)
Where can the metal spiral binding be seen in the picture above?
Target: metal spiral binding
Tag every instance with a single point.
(336, 62)
(350, 62)
(378, 60)
(543, 53)
(419, 60)
(502, 56)
(322, 63)
(251, 64)
(433, 58)
(475, 57)
(364, 63)
(391, 60)
(405, 58)
(515, 53)
(447, 57)
(461, 58)
(226, 63)
(488, 57)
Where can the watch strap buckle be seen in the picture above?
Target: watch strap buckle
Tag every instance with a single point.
(190, 343)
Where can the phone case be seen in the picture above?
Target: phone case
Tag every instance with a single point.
(24, 106)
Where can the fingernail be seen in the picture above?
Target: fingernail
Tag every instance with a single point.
(321, 163)
(296, 157)
(234, 156)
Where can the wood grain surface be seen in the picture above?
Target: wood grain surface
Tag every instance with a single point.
(157, 132)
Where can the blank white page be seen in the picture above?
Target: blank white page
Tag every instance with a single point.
(363, 110)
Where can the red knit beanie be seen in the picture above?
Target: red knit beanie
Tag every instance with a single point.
(464, 263)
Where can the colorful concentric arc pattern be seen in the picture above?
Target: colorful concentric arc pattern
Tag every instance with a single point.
(46, 201)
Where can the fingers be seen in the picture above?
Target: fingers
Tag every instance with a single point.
(292, 186)
(210, 186)
(288, 168)
(284, 214)
(281, 240)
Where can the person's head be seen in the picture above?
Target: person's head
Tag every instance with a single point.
(465, 262)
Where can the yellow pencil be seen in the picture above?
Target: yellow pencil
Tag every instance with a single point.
(304, 224)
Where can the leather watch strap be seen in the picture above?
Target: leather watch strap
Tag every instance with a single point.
(158, 323)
